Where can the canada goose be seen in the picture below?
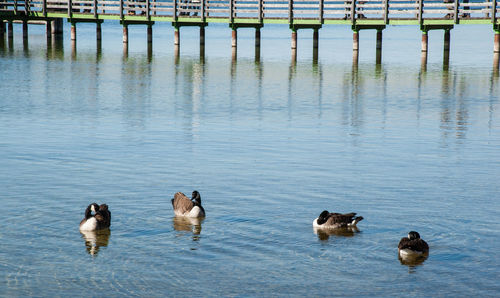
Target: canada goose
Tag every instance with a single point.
(327, 220)
(412, 246)
(96, 218)
(183, 206)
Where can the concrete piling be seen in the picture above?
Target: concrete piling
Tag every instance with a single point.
(177, 37)
(496, 43)
(73, 31)
(150, 33)
(98, 31)
(257, 37)
(294, 40)
(234, 38)
(202, 36)
(315, 38)
(355, 41)
(424, 41)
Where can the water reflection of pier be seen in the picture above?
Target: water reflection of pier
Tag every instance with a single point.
(189, 76)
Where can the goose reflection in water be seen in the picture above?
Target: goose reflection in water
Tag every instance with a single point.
(188, 224)
(94, 240)
(412, 261)
(324, 234)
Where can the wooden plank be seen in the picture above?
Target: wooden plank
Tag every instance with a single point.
(256, 5)
(334, 6)
(399, 5)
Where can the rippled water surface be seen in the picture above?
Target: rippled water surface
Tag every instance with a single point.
(269, 143)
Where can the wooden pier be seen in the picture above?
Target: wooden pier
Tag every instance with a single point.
(297, 14)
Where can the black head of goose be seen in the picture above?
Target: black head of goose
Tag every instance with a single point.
(96, 218)
(327, 220)
(183, 206)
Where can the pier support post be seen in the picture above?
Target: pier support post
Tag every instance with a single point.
(202, 36)
(446, 46)
(57, 26)
(98, 31)
(234, 38)
(125, 34)
(355, 58)
(355, 41)
(257, 38)
(378, 48)
(496, 43)
(379, 40)
(25, 29)
(234, 55)
(73, 31)
(425, 41)
(48, 29)
(125, 50)
(423, 61)
(11, 29)
(177, 36)
(150, 52)
(294, 39)
(257, 54)
(150, 33)
(315, 38)
(176, 54)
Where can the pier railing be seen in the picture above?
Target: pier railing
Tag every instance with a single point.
(268, 11)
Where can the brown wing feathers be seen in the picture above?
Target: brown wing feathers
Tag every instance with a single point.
(415, 244)
(181, 203)
(337, 218)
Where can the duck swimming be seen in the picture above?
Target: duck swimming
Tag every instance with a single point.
(96, 218)
(412, 246)
(183, 206)
(327, 220)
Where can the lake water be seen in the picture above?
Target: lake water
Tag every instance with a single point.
(269, 144)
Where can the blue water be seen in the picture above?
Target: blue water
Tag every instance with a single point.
(269, 143)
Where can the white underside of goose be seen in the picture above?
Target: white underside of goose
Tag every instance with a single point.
(195, 212)
(89, 225)
(408, 253)
(336, 226)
